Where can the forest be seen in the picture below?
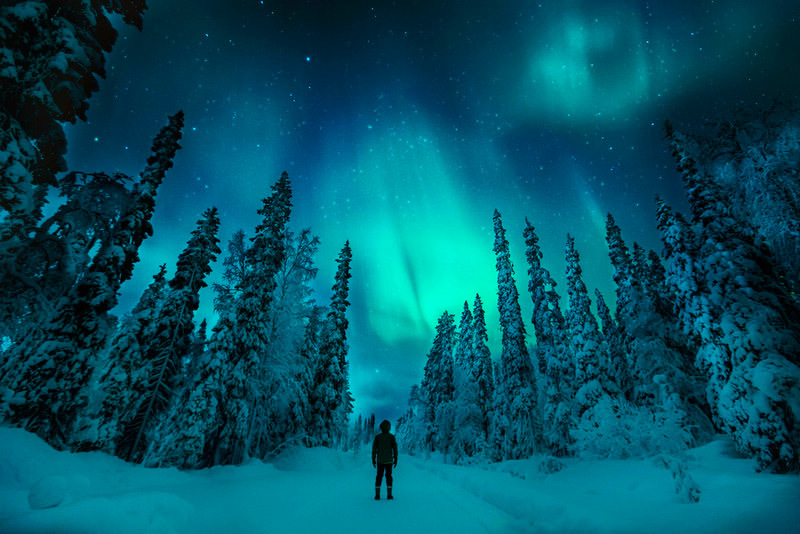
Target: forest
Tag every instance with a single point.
(704, 336)
(704, 339)
(151, 386)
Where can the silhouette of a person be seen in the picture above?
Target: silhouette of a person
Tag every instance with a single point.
(384, 457)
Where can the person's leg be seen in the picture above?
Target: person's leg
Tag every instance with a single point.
(388, 468)
(378, 480)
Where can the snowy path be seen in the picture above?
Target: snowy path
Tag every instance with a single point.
(325, 491)
(343, 501)
(317, 491)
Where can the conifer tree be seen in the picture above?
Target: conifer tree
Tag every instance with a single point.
(123, 362)
(233, 273)
(463, 349)
(410, 430)
(752, 156)
(680, 254)
(482, 366)
(437, 388)
(171, 341)
(617, 365)
(547, 318)
(746, 322)
(585, 340)
(663, 374)
(551, 349)
(189, 436)
(246, 407)
(333, 402)
(301, 408)
(517, 394)
(469, 437)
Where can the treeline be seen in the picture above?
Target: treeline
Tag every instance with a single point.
(705, 337)
(362, 432)
(151, 386)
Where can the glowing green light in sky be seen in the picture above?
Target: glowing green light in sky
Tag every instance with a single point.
(421, 247)
(588, 66)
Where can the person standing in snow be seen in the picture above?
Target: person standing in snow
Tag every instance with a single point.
(384, 457)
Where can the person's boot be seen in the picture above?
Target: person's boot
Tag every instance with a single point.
(389, 493)
(378, 493)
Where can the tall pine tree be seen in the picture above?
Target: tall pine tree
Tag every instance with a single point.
(189, 436)
(333, 402)
(746, 322)
(123, 362)
(586, 342)
(660, 355)
(482, 364)
(246, 418)
(437, 386)
(517, 395)
(551, 348)
(171, 340)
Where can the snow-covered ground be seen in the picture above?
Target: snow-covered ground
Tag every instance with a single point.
(320, 490)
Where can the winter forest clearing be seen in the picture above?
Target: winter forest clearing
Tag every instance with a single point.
(319, 489)
(665, 398)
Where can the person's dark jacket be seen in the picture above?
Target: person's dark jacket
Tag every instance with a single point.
(384, 449)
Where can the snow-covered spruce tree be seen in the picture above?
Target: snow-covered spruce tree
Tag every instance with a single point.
(754, 155)
(246, 419)
(547, 320)
(617, 366)
(288, 315)
(291, 301)
(586, 343)
(683, 277)
(437, 388)
(48, 391)
(332, 402)
(200, 422)
(122, 362)
(52, 53)
(746, 322)
(190, 433)
(300, 408)
(469, 434)
(663, 373)
(587, 346)
(170, 343)
(517, 394)
(548, 323)
(463, 347)
(482, 366)
(410, 430)
(468, 442)
(233, 273)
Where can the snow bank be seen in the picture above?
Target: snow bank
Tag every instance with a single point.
(637, 495)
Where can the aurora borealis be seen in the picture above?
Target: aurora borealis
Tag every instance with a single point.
(403, 125)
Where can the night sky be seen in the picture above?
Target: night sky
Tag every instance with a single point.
(403, 125)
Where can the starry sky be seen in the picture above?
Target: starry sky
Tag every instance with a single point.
(404, 124)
